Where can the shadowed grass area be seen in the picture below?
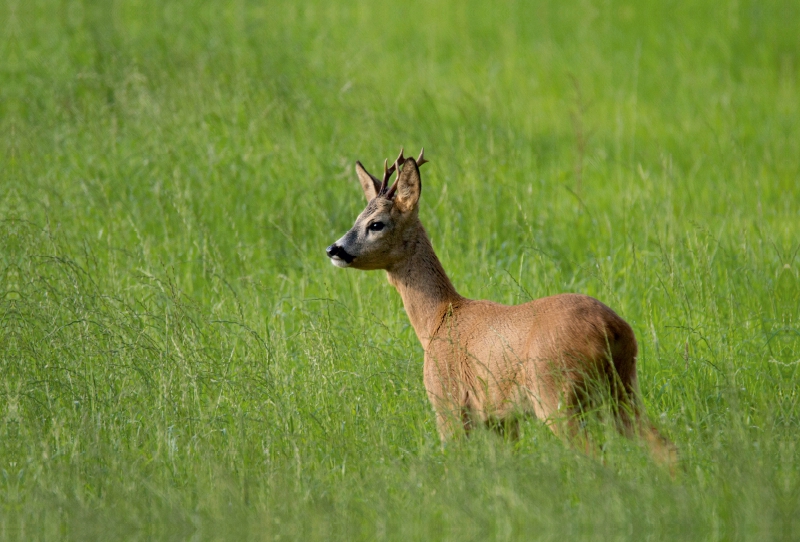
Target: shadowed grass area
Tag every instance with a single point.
(180, 360)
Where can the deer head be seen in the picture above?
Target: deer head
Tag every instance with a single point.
(380, 237)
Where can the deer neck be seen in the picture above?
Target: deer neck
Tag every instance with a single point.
(423, 285)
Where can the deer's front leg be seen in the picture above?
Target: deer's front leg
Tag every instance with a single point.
(452, 423)
(449, 400)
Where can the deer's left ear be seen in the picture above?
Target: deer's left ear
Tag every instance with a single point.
(369, 184)
(409, 187)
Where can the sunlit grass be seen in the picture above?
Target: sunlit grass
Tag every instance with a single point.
(180, 359)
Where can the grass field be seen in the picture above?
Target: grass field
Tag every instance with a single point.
(180, 360)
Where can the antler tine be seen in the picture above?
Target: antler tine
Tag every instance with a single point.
(397, 163)
(421, 159)
(387, 173)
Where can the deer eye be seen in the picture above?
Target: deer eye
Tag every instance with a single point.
(376, 226)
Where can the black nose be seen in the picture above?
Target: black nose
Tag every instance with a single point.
(332, 250)
(336, 251)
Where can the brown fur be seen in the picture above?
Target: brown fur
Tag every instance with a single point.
(490, 363)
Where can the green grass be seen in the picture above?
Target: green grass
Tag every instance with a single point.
(180, 360)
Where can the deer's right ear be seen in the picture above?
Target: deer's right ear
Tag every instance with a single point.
(369, 184)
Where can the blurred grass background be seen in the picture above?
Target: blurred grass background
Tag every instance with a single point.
(181, 361)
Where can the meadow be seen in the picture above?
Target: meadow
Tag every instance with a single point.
(180, 360)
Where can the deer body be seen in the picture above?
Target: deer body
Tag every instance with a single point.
(486, 362)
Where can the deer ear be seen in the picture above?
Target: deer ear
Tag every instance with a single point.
(409, 187)
(369, 184)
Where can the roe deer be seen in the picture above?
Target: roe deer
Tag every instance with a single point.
(486, 362)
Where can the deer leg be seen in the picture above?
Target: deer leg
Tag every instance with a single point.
(565, 414)
(509, 427)
(634, 423)
(452, 423)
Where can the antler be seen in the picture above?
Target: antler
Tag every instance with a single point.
(397, 164)
(387, 172)
(421, 158)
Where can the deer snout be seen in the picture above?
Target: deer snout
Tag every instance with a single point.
(338, 255)
(332, 250)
